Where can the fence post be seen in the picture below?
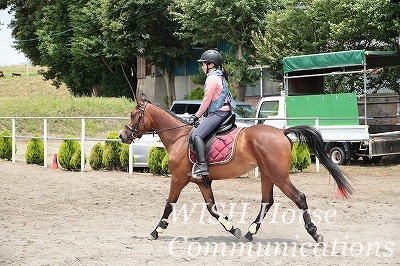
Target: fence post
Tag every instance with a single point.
(316, 158)
(131, 158)
(13, 140)
(45, 142)
(83, 146)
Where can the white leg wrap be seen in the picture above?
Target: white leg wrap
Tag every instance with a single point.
(228, 226)
(253, 228)
(160, 229)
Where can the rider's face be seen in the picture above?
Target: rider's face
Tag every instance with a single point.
(204, 67)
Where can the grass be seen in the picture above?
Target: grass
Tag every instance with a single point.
(29, 95)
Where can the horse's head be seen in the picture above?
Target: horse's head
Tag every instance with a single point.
(136, 126)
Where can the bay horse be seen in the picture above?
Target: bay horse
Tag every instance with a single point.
(262, 146)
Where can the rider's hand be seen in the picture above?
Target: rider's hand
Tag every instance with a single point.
(193, 119)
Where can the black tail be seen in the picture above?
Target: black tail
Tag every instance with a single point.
(313, 138)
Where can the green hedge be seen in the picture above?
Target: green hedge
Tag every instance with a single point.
(301, 158)
(35, 151)
(5, 145)
(69, 154)
(158, 165)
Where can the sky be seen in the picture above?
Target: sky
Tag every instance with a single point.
(8, 55)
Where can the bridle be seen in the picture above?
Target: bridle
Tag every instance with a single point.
(135, 129)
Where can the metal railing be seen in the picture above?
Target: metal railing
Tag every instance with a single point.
(46, 137)
(82, 139)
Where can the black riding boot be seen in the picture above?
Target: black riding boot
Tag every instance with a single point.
(201, 157)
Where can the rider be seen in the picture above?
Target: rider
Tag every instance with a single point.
(216, 105)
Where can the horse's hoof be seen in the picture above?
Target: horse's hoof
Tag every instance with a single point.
(249, 236)
(319, 239)
(236, 232)
(153, 235)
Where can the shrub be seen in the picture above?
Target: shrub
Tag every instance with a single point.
(156, 155)
(6, 145)
(96, 156)
(124, 158)
(301, 158)
(68, 149)
(76, 159)
(164, 165)
(112, 152)
(35, 151)
(196, 94)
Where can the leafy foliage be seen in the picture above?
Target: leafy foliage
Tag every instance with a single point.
(76, 160)
(301, 158)
(69, 150)
(316, 26)
(92, 45)
(96, 156)
(156, 156)
(35, 151)
(164, 165)
(5, 145)
(124, 158)
(196, 94)
(224, 22)
(112, 152)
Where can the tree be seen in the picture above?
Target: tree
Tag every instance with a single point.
(65, 36)
(324, 26)
(209, 22)
(146, 29)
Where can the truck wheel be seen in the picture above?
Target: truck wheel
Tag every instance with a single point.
(337, 155)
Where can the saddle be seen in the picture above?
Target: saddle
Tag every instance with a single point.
(220, 143)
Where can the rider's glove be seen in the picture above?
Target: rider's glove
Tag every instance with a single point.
(193, 119)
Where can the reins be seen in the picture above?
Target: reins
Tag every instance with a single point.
(171, 128)
(134, 130)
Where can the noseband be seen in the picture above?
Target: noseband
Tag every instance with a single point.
(135, 130)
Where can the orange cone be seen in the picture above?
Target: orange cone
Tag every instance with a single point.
(55, 162)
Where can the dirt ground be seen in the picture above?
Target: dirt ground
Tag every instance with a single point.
(55, 217)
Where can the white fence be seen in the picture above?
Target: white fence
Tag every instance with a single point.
(46, 136)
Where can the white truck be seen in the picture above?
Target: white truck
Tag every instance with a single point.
(347, 133)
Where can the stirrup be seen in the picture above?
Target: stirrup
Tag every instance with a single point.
(198, 174)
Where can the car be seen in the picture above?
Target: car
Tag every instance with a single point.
(186, 108)
(141, 148)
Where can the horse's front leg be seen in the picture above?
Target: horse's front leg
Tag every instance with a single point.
(208, 196)
(266, 202)
(174, 192)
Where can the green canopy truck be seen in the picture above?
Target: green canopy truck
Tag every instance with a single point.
(345, 120)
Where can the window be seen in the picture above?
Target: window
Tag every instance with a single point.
(268, 109)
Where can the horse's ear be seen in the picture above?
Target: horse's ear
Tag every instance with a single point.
(143, 98)
(139, 101)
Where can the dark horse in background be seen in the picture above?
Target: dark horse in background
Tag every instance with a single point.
(262, 146)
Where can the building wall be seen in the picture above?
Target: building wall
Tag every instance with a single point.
(183, 86)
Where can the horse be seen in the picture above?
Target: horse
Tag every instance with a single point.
(262, 146)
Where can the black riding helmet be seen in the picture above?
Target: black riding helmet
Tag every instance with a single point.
(211, 56)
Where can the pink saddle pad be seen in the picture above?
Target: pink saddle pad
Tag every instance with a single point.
(222, 149)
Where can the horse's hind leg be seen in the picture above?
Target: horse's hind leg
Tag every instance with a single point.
(300, 200)
(212, 209)
(266, 202)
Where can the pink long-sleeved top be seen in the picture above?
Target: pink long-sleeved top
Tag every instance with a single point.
(211, 93)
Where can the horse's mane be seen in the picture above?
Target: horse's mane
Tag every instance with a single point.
(171, 113)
